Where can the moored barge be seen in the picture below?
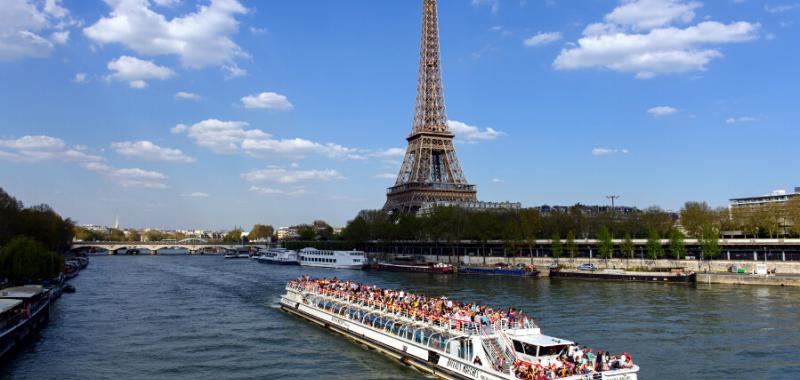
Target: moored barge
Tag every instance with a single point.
(492, 345)
(24, 310)
(622, 275)
(437, 268)
(498, 270)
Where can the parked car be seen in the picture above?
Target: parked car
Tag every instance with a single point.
(587, 266)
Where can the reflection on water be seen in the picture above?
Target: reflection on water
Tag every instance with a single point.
(153, 317)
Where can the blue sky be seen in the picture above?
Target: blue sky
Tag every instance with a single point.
(211, 114)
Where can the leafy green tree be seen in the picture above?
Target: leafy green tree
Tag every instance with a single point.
(555, 245)
(605, 245)
(154, 235)
(116, 235)
(529, 225)
(233, 236)
(571, 246)
(676, 244)
(626, 247)
(306, 233)
(260, 231)
(134, 235)
(23, 260)
(654, 248)
(694, 215)
(709, 242)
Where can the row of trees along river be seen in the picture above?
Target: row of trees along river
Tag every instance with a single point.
(31, 239)
(519, 229)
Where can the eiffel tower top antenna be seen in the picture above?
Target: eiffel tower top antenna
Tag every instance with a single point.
(429, 111)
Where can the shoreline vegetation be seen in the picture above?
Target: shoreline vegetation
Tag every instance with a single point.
(32, 242)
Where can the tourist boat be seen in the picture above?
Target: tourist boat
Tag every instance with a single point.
(312, 257)
(500, 270)
(23, 311)
(438, 268)
(623, 275)
(447, 348)
(280, 256)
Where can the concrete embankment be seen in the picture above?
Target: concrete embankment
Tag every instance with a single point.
(746, 279)
(714, 272)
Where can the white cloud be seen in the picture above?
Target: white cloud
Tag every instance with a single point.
(741, 119)
(472, 134)
(135, 71)
(31, 149)
(80, 78)
(662, 111)
(274, 191)
(497, 180)
(639, 37)
(24, 24)
(269, 100)
(257, 31)
(648, 14)
(233, 71)
(607, 151)
(148, 151)
(781, 8)
(186, 95)
(233, 136)
(60, 38)
(167, 3)
(130, 177)
(494, 5)
(542, 39)
(220, 136)
(201, 38)
(390, 152)
(290, 176)
(385, 176)
(196, 194)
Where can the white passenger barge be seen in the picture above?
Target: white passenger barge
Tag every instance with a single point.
(281, 256)
(449, 348)
(312, 257)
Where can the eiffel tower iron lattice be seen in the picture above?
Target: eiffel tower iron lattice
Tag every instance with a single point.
(430, 171)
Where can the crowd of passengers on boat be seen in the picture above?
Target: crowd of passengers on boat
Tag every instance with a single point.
(453, 315)
(579, 362)
(439, 311)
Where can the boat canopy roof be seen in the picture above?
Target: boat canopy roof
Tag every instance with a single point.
(539, 339)
(6, 305)
(21, 292)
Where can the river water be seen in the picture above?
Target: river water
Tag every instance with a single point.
(204, 317)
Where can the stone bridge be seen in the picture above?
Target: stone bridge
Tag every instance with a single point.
(192, 246)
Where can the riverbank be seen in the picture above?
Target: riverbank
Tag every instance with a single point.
(787, 273)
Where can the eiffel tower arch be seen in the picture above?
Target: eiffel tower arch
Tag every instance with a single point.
(430, 172)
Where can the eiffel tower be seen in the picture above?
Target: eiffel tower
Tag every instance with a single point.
(430, 171)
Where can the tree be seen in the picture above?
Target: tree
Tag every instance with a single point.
(793, 214)
(626, 247)
(605, 246)
(116, 235)
(133, 235)
(709, 242)
(155, 235)
(529, 224)
(261, 231)
(654, 248)
(233, 236)
(572, 246)
(306, 233)
(555, 245)
(677, 247)
(694, 215)
(25, 260)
